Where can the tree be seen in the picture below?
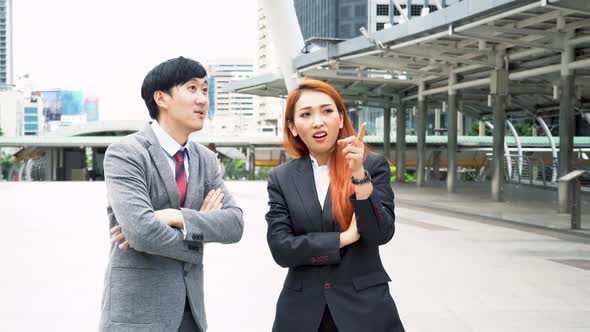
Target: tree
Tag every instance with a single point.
(236, 170)
(524, 128)
(1, 132)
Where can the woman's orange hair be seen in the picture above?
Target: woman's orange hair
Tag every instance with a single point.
(340, 184)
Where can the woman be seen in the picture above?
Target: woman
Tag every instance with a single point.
(330, 209)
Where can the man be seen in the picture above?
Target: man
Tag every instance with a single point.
(166, 199)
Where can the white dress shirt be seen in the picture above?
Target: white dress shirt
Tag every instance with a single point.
(321, 176)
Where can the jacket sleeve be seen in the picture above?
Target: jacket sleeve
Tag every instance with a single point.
(222, 226)
(128, 196)
(375, 216)
(289, 250)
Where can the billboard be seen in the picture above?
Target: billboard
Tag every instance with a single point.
(62, 106)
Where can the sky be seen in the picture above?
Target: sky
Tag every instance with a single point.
(105, 48)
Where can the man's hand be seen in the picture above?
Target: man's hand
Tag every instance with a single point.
(212, 201)
(118, 236)
(351, 235)
(173, 217)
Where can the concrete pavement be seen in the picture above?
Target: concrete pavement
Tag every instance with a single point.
(450, 272)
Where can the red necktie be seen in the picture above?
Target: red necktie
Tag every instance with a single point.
(181, 181)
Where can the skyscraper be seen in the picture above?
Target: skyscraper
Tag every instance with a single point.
(230, 112)
(270, 109)
(6, 74)
(331, 18)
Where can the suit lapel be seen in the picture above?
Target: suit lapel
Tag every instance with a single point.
(162, 166)
(194, 186)
(304, 182)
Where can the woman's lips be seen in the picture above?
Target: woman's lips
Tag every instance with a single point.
(320, 136)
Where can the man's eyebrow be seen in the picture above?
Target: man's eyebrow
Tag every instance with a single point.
(197, 80)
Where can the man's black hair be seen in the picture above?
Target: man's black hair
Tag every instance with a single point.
(167, 75)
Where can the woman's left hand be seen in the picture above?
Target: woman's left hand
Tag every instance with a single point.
(354, 152)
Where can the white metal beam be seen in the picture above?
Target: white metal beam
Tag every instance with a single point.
(446, 58)
(518, 146)
(333, 75)
(506, 151)
(489, 29)
(400, 10)
(438, 4)
(388, 64)
(507, 41)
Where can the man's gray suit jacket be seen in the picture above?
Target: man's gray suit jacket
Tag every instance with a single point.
(146, 285)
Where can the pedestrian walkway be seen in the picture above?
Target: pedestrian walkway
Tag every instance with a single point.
(523, 205)
(449, 272)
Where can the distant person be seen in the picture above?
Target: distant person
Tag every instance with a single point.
(166, 200)
(329, 211)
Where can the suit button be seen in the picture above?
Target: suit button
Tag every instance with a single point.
(185, 273)
(327, 285)
(194, 237)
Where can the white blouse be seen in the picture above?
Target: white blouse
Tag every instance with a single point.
(321, 176)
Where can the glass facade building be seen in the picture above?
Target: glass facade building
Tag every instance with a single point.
(5, 42)
(331, 18)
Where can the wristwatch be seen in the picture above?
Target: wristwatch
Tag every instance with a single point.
(364, 180)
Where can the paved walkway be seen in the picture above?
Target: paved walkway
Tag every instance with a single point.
(450, 272)
(522, 205)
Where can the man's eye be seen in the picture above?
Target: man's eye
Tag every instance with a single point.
(192, 88)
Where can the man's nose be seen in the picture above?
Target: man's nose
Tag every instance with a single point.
(201, 98)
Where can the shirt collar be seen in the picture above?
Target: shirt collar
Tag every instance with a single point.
(167, 142)
(315, 164)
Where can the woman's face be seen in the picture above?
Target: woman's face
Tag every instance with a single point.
(317, 121)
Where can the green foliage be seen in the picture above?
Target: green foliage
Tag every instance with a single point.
(5, 163)
(475, 130)
(1, 132)
(407, 176)
(236, 170)
(262, 172)
(524, 128)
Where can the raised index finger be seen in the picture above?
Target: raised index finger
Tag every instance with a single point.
(361, 134)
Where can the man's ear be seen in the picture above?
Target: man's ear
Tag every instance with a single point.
(293, 129)
(161, 99)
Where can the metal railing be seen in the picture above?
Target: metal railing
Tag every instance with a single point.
(523, 170)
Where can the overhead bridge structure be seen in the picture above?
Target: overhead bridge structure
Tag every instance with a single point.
(497, 60)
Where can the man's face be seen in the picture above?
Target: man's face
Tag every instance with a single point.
(186, 105)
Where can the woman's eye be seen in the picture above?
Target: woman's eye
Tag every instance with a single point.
(304, 115)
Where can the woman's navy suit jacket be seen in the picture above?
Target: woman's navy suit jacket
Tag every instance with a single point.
(306, 239)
